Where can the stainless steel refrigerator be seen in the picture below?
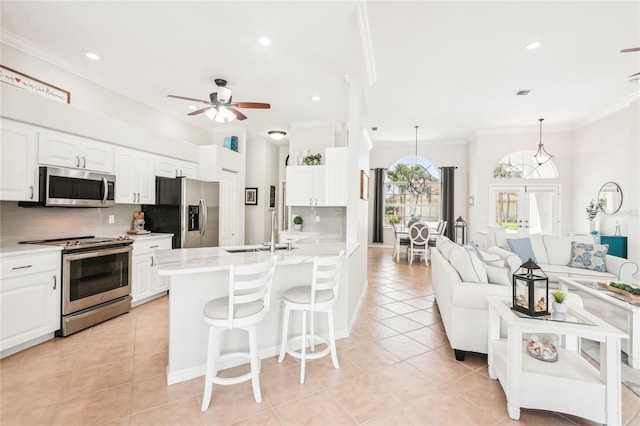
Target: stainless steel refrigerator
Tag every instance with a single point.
(188, 209)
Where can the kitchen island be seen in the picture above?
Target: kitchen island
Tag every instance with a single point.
(197, 275)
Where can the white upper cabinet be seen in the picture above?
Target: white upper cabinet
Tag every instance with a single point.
(319, 185)
(65, 150)
(135, 178)
(172, 167)
(18, 161)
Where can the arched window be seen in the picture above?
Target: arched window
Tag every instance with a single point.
(400, 202)
(520, 165)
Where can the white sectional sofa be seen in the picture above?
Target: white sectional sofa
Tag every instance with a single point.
(553, 255)
(462, 302)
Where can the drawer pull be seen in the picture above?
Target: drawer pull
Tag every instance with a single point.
(31, 196)
(55, 282)
(21, 267)
(156, 246)
(152, 261)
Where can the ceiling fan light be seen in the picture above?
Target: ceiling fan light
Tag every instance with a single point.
(229, 115)
(219, 116)
(277, 135)
(211, 113)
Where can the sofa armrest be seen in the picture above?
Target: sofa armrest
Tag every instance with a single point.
(511, 259)
(623, 269)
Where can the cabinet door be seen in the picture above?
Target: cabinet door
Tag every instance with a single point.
(188, 169)
(29, 298)
(96, 156)
(336, 177)
(58, 149)
(319, 186)
(18, 162)
(300, 185)
(140, 285)
(146, 179)
(229, 213)
(125, 169)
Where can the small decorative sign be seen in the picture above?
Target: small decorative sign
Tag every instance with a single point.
(251, 196)
(23, 81)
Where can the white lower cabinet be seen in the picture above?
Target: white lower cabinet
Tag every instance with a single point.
(146, 283)
(30, 299)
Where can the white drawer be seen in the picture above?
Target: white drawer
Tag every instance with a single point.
(142, 246)
(29, 264)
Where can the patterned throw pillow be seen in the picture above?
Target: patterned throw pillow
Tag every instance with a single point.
(588, 256)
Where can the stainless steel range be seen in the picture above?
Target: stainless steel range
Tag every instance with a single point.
(96, 280)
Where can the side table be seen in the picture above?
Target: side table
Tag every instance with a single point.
(571, 385)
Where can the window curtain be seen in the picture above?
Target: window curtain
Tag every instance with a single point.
(378, 206)
(447, 198)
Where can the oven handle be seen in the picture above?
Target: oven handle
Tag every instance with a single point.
(96, 253)
(105, 187)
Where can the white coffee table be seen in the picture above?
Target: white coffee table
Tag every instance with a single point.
(571, 385)
(624, 304)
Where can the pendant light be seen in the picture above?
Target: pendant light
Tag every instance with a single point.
(417, 180)
(542, 156)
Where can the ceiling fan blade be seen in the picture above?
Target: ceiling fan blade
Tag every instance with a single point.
(633, 75)
(251, 105)
(188, 99)
(238, 114)
(631, 49)
(200, 111)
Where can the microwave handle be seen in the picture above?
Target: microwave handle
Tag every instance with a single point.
(105, 188)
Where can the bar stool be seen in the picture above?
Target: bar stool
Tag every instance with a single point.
(247, 304)
(320, 296)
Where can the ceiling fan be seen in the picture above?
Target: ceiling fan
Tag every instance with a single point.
(632, 49)
(221, 106)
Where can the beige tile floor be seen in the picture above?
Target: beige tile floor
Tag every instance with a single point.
(396, 369)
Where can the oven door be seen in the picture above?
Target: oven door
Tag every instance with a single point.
(93, 277)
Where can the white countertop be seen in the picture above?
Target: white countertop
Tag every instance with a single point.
(208, 259)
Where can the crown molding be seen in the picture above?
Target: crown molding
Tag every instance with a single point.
(623, 104)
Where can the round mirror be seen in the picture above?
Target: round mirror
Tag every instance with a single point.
(611, 196)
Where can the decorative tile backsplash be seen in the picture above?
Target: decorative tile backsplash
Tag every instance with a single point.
(26, 223)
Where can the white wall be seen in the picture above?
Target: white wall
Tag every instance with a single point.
(262, 171)
(606, 150)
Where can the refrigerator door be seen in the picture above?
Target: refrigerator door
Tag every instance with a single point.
(211, 198)
(192, 213)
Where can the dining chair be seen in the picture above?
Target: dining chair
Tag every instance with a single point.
(398, 242)
(247, 304)
(418, 241)
(320, 296)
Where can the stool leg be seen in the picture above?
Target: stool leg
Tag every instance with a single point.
(332, 340)
(285, 331)
(255, 363)
(311, 331)
(303, 350)
(211, 368)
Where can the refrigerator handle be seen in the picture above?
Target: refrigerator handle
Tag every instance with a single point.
(203, 216)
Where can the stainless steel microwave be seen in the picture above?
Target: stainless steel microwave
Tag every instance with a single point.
(61, 187)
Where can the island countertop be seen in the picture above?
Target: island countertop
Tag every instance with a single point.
(210, 259)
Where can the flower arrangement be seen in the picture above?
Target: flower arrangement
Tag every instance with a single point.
(593, 208)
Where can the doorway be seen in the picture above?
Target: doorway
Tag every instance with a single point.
(526, 209)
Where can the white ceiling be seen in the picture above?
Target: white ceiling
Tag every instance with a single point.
(451, 67)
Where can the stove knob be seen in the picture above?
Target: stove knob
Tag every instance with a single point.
(68, 243)
(77, 243)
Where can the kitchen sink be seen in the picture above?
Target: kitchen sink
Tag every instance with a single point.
(254, 248)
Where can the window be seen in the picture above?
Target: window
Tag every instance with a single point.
(520, 165)
(400, 203)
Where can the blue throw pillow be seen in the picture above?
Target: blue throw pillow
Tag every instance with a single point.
(589, 256)
(522, 247)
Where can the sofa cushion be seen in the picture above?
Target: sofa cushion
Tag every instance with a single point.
(497, 275)
(522, 247)
(559, 247)
(589, 256)
(536, 243)
(487, 258)
(449, 247)
(469, 267)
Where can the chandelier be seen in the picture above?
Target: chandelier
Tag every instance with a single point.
(418, 177)
(542, 156)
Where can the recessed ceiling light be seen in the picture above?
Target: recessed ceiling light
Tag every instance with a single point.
(92, 55)
(315, 98)
(533, 45)
(264, 41)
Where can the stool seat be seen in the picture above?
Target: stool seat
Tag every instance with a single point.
(320, 296)
(247, 304)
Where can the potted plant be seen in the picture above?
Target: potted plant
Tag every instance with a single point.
(558, 304)
(297, 223)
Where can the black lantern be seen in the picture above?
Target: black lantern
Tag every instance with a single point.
(460, 230)
(531, 290)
